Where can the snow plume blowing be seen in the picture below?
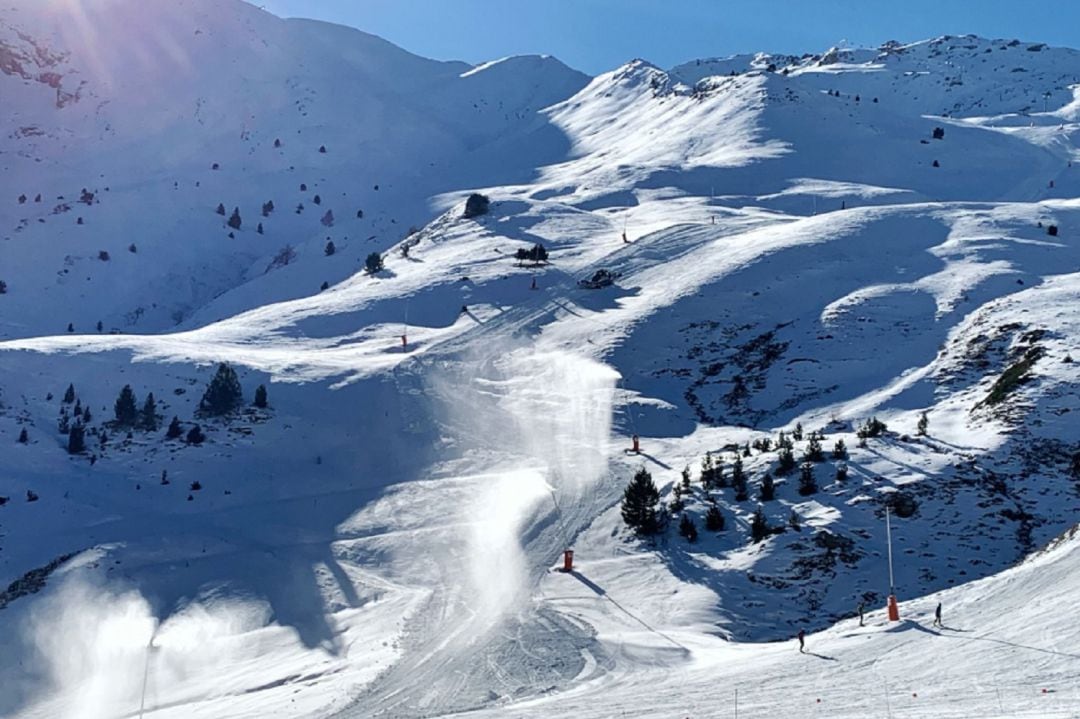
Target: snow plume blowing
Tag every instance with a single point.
(97, 649)
(540, 422)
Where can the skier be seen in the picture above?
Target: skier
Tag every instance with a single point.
(937, 616)
(861, 624)
(802, 641)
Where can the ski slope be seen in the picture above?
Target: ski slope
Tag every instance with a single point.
(380, 540)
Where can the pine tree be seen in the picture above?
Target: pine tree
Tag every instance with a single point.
(797, 434)
(220, 209)
(688, 529)
(69, 394)
(839, 450)
(707, 471)
(24, 438)
(841, 472)
(195, 435)
(373, 263)
(924, 423)
(814, 452)
(127, 414)
(686, 480)
(76, 439)
(234, 219)
(738, 480)
(328, 219)
(330, 248)
(148, 416)
(260, 396)
(767, 493)
(86, 416)
(759, 526)
(714, 520)
(639, 503)
(259, 228)
(807, 483)
(317, 200)
(746, 450)
(786, 461)
(174, 429)
(223, 395)
(794, 522)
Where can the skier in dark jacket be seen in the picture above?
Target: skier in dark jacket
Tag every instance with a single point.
(861, 624)
(937, 616)
(802, 640)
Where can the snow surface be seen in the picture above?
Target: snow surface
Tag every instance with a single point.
(380, 540)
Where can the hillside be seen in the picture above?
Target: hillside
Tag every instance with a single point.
(797, 245)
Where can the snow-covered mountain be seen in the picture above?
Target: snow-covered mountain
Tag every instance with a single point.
(804, 242)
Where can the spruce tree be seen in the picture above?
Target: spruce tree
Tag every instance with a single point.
(174, 429)
(195, 435)
(76, 439)
(807, 483)
(234, 219)
(797, 433)
(767, 493)
(759, 526)
(223, 395)
(814, 452)
(373, 263)
(794, 522)
(924, 423)
(707, 471)
(69, 394)
(688, 529)
(841, 472)
(127, 415)
(330, 248)
(786, 461)
(639, 503)
(714, 520)
(220, 209)
(686, 480)
(738, 480)
(23, 436)
(148, 416)
(839, 450)
(260, 396)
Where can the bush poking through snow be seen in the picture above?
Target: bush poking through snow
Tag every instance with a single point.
(234, 219)
(260, 396)
(688, 529)
(174, 429)
(476, 205)
(373, 263)
(195, 436)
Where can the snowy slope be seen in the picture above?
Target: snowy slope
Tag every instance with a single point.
(378, 541)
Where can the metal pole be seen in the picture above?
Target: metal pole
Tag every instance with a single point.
(736, 702)
(888, 536)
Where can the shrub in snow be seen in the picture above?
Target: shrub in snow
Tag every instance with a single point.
(260, 396)
(259, 228)
(195, 435)
(537, 254)
(223, 395)
(476, 205)
(786, 461)
(639, 503)
(174, 429)
(373, 263)
(196, 486)
(936, 164)
(23, 436)
(328, 219)
(873, 428)
(322, 149)
(939, 133)
(839, 450)
(220, 209)
(324, 286)
(234, 219)
(103, 255)
(31, 496)
(330, 248)
(71, 327)
(132, 248)
(902, 504)
(1052, 230)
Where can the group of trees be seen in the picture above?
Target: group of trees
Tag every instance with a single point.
(643, 512)
(223, 396)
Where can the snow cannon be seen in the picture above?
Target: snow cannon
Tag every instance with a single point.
(637, 444)
(568, 560)
(894, 609)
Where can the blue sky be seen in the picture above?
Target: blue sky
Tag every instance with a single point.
(598, 35)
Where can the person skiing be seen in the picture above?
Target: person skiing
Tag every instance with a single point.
(937, 616)
(861, 606)
(802, 640)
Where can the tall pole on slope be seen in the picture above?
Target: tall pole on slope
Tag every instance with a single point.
(894, 610)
